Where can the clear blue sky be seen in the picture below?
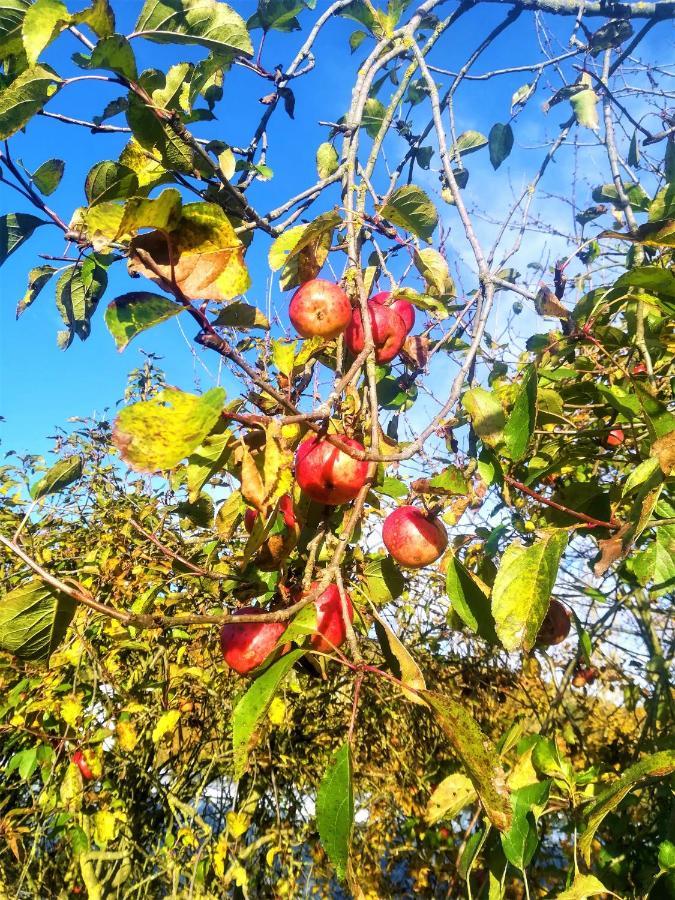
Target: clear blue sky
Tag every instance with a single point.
(42, 386)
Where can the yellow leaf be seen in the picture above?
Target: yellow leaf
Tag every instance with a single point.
(165, 725)
(252, 486)
(106, 826)
(237, 824)
(71, 710)
(126, 736)
(277, 711)
(269, 856)
(219, 857)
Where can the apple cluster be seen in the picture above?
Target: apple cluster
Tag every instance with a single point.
(330, 476)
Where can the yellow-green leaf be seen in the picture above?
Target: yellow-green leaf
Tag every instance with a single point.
(155, 435)
(166, 724)
(523, 586)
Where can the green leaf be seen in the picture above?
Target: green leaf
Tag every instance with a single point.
(477, 755)
(48, 176)
(44, 21)
(667, 855)
(450, 797)
(469, 142)
(663, 205)
(277, 15)
(78, 291)
(60, 476)
(356, 38)
(302, 625)
(384, 580)
(253, 705)
(373, 116)
(634, 151)
(521, 421)
(283, 356)
(12, 14)
(523, 586)
(656, 766)
(451, 481)
(99, 17)
(410, 208)
(15, 228)
(637, 196)
(500, 142)
(522, 95)
(209, 23)
(548, 760)
(469, 602)
(227, 515)
(37, 279)
(487, 415)
(24, 97)
(33, 620)
(243, 316)
(584, 886)
(129, 314)
(114, 54)
(108, 180)
(155, 435)
(335, 809)
(585, 104)
(327, 160)
(401, 664)
(520, 841)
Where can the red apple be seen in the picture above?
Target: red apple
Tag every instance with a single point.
(405, 310)
(331, 631)
(584, 675)
(639, 369)
(414, 538)
(81, 763)
(285, 508)
(556, 625)
(389, 332)
(327, 474)
(249, 519)
(320, 309)
(247, 645)
(287, 511)
(615, 438)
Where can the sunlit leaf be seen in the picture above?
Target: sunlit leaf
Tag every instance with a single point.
(335, 809)
(155, 435)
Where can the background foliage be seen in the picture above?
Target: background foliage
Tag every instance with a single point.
(440, 753)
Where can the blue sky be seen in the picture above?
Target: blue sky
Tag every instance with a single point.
(42, 386)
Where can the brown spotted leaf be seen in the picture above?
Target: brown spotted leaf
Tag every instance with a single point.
(202, 255)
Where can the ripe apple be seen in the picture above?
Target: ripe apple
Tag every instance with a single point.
(584, 675)
(327, 474)
(276, 547)
(389, 332)
(320, 309)
(556, 625)
(247, 645)
(405, 310)
(331, 631)
(615, 438)
(285, 508)
(414, 538)
(82, 765)
(639, 369)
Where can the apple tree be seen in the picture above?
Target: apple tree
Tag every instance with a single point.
(384, 608)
